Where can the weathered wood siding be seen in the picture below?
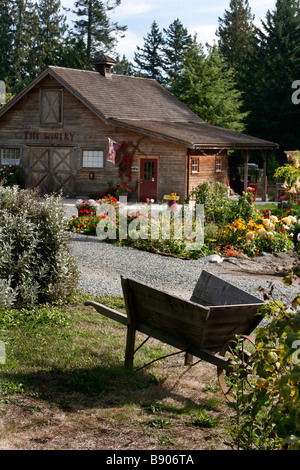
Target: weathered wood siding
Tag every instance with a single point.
(207, 168)
(81, 129)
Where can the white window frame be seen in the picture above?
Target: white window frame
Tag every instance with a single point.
(195, 168)
(93, 158)
(10, 156)
(219, 165)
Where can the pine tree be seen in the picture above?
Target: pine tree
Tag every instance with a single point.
(6, 39)
(237, 33)
(149, 58)
(177, 43)
(123, 66)
(73, 53)
(52, 27)
(94, 25)
(275, 65)
(24, 37)
(207, 86)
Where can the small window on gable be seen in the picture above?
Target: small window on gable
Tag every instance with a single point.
(10, 156)
(219, 165)
(51, 107)
(195, 165)
(92, 159)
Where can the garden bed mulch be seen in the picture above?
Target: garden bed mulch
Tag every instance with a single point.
(269, 264)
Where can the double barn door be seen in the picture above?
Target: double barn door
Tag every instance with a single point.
(51, 169)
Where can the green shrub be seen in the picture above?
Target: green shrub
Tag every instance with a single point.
(218, 207)
(35, 262)
(214, 197)
(269, 414)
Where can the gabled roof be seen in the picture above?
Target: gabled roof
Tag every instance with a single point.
(143, 105)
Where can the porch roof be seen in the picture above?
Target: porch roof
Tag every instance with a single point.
(196, 135)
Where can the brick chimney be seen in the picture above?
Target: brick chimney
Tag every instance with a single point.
(103, 64)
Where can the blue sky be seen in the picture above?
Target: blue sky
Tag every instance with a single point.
(198, 16)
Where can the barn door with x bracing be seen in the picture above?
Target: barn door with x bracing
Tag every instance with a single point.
(51, 169)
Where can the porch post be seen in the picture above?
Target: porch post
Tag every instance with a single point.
(245, 154)
(265, 181)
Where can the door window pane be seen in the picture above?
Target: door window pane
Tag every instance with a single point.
(148, 171)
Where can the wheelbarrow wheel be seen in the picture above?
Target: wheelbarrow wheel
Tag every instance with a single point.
(238, 353)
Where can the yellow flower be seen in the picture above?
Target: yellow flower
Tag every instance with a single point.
(266, 223)
(250, 235)
(270, 235)
(286, 220)
(274, 218)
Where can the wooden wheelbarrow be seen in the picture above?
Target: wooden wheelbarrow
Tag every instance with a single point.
(204, 326)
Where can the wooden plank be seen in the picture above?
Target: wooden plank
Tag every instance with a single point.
(160, 327)
(109, 312)
(211, 290)
(168, 305)
(131, 327)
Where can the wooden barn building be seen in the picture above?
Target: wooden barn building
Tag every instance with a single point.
(59, 127)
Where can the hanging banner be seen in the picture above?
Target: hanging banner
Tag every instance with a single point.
(112, 150)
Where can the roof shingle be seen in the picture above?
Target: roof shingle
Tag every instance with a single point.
(143, 105)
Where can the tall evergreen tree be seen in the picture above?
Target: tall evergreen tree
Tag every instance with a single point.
(25, 27)
(6, 38)
(95, 26)
(207, 86)
(275, 65)
(149, 58)
(236, 33)
(177, 43)
(123, 66)
(52, 27)
(73, 53)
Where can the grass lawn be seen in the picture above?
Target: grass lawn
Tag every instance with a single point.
(274, 206)
(64, 386)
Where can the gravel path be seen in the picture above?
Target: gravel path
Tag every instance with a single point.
(102, 264)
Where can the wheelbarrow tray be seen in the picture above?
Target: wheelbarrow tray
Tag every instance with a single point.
(216, 312)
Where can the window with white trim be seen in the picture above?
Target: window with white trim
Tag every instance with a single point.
(195, 165)
(10, 156)
(92, 158)
(218, 164)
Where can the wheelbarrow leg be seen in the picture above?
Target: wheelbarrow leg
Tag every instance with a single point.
(129, 353)
(188, 359)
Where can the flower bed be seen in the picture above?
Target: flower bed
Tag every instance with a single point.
(241, 228)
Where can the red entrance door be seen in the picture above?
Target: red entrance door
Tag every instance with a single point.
(148, 179)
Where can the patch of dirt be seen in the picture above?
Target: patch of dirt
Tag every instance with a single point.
(78, 422)
(265, 266)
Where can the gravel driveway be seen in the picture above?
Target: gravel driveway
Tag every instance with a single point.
(102, 264)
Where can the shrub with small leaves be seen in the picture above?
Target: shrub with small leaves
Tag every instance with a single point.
(35, 263)
(269, 413)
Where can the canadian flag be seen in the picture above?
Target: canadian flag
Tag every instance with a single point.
(112, 149)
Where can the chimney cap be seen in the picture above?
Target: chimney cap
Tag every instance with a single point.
(102, 59)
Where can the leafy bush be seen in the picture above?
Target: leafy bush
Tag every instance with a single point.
(214, 197)
(35, 262)
(269, 414)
